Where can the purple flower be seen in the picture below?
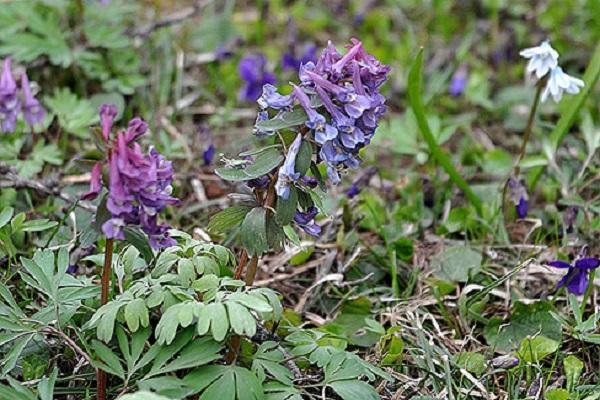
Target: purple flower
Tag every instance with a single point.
(576, 279)
(139, 185)
(458, 82)
(260, 183)
(107, 116)
(271, 98)
(32, 109)
(359, 183)
(72, 269)
(305, 220)
(309, 181)
(206, 137)
(95, 183)
(252, 71)
(517, 192)
(290, 62)
(287, 172)
(9, 101)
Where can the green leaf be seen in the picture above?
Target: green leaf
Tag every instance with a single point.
(456, 264)
(253, 232)
(10, 359)
(354, 390)
(264, 163)
(74, 115)
(199, 352)
(38, 225)
(6, 215)
(471, 361)
(291, 234)
(416, 101)
(136, 314)
(143, 395)
(228, 218)
(139, 240)
(557, 394)
(303, 158)
(526, 320)
(286, 208)
(110, 362)
(241, 320)
(46, 386)
(535, 349)
(283, 120)
(573, 369)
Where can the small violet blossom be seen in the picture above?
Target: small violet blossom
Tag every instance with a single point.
(542, 59)
(208, 147)
(33, 112)
(252, 70)
(10, 105)
(359, 183)
(305, 220)
(458, 83)
(290, 62)
(517, 192)
(287, 172)
(139, 185)
(576, 279)
(560, 82)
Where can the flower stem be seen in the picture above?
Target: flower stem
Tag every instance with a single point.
(529, 126)
(106, 273)
(588, 291)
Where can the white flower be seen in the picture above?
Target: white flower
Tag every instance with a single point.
(560, 82)
(542, 59)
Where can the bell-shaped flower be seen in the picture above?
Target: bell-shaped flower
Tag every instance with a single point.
(542, 58)
(560, 82)
(107, 115)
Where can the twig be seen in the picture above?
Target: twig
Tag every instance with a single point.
(70, 342)
(11, 179)
(173, 19)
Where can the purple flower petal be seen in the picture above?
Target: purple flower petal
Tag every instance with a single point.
(578, 282)
(559, 264)
(95, 182)
(587, 263)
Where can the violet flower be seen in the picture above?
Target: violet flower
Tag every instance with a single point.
(206, 137)
(287, 172)
(458, 83)
(10, 104)
(305, 220)
(290, 62)
(32, 109)
(139, 185)
(107, 116)
(252, 70)
(576, 279)
(359, 183)
(271, 98)
(517, 192)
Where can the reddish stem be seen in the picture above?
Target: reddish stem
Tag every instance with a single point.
(106, 273)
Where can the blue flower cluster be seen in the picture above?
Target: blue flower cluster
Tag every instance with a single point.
(340, 95)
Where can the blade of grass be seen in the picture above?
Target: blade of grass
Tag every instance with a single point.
(416, 102)
(590, 77)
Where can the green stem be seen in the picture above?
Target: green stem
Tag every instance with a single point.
(588, 291)
(394, 272)
(416, 101)
(106, 272)
(529, 126)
